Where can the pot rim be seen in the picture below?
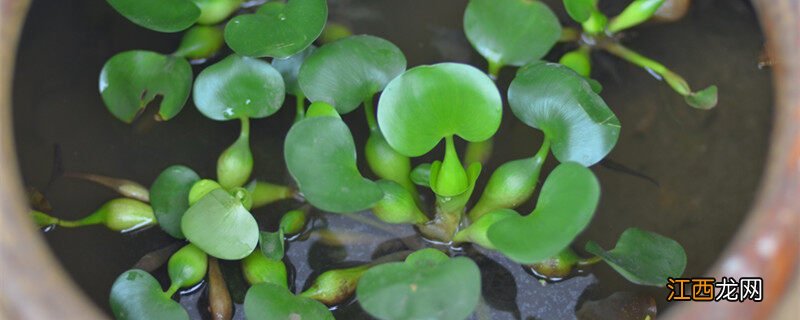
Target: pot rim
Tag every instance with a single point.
(767, 245)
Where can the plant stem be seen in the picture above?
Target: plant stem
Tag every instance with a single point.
(450, 210)
(245, 131)
(674, 80)
(494, 69)
(589, 261)
(301, 108)
(369, 112)
(173, 288)
(544, 150)
(569, 35)
(92, 219)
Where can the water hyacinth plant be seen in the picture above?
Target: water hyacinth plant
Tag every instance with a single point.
(252, 57)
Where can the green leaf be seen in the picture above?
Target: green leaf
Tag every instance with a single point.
(556, 100)
(158, 15)
(346, 72)
(566, 205)
(132, 79)
(428, 285)
(644, 257)
(429, 103)
(580, 10)
(272, 244)
(239, 87)
(267, 301)
(290, 68)
(321, 156)
(277, 30)
(511, 32)
(169, 197)
(219, 225)
(136, 295)
(704, 99)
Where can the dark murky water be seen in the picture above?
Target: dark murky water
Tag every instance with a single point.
(707, 164)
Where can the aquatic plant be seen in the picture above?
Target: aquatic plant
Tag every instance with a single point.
(418, 109)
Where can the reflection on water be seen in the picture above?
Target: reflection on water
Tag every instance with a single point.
(707, 164)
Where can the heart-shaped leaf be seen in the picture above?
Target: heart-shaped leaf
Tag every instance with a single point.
(511, 32)
(428, 285)
(558, 101)
(267, 301)
(169, 197)
(136, 295)
(272, 244)
(566, 205)
(132, 79)
(579, 10)
(321, 156)
(277, 30)
(290, 69)
(158, 15)
(239, 87)
(219, 225)
(346, 72)
(428, 103)
(644, 257)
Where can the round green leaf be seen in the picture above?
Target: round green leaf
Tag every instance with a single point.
(219, 225)
(290, 68)
(428, 103)
(566, 205)
(169, 197)
(136, 295)
(511, 32)
(644, 257)
(346, 72)
(158, 15)
(239, 87)
(277, 30)
(266, 301)
(132, 79)
(321, 156)
(426, 286)
(558, 101)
